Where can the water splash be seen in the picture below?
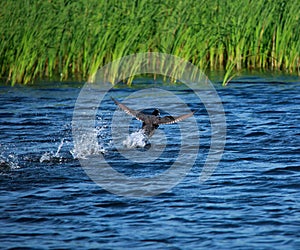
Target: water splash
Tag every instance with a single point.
(89, 144)
(136, 140)
(51, 156)
(59, 148)
(9, 162)
(46, 157)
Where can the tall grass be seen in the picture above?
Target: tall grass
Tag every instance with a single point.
(72, 39)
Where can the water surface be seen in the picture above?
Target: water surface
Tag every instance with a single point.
(250, 202)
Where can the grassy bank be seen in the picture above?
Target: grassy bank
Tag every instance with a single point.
(72, 39)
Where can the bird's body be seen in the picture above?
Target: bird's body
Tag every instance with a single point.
(151, 122)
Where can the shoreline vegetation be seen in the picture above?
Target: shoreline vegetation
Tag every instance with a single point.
(64, 39)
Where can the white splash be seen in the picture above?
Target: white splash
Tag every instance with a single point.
(46, 157)
(11, 161)
(59, 148)
(89, 145)
(136, 140)
(50, 156)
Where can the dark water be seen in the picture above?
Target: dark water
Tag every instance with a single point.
(250, 202)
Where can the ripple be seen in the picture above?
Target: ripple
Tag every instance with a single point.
(251, 201)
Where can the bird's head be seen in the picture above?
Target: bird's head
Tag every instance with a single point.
(156, 112)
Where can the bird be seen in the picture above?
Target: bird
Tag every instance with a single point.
(151, 122)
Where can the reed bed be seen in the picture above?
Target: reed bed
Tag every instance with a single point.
(64, 39)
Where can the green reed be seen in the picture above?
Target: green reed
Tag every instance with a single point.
(64, 39)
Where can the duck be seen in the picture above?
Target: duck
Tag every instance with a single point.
(151, 122)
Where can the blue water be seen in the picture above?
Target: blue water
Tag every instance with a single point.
(252, 200)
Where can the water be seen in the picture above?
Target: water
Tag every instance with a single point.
(250, 202)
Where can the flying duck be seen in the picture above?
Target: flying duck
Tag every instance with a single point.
(152, 122)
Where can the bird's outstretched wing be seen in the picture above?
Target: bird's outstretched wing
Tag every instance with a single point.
(137, 114)
(170, 119)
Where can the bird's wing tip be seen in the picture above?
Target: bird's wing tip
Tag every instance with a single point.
(115, 101)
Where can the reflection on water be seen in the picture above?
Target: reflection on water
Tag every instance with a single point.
(251, 201)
